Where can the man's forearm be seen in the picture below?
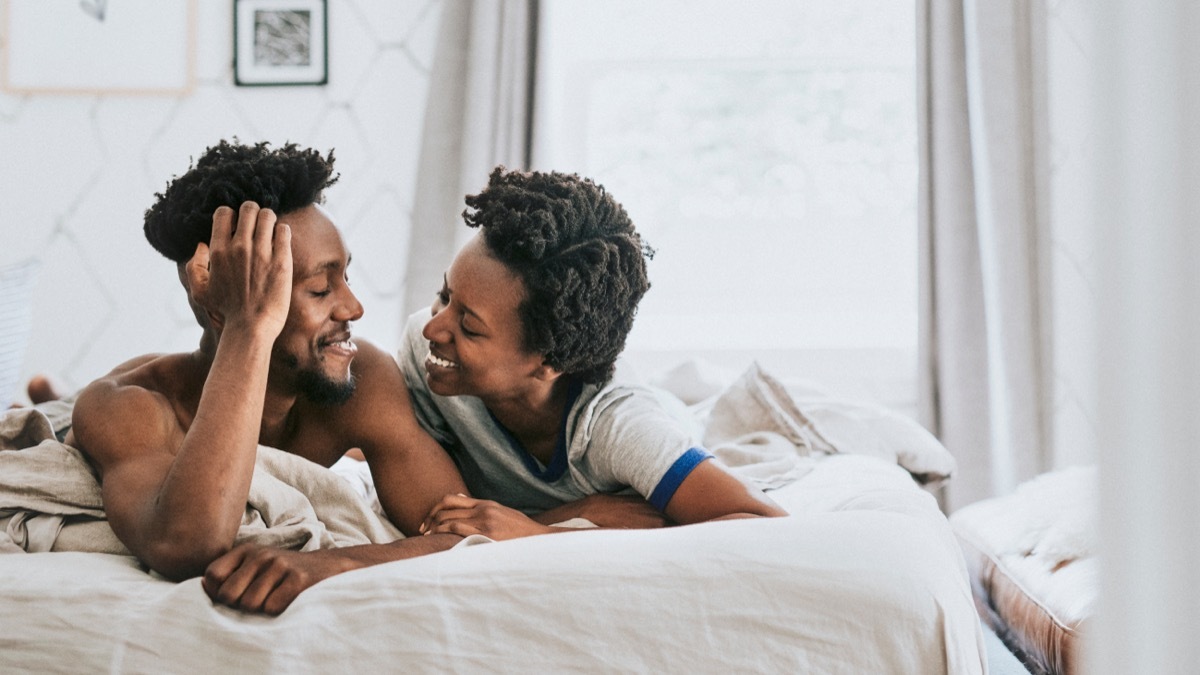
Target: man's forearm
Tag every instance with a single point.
(401, 549)
(255, 578)
(209, 480)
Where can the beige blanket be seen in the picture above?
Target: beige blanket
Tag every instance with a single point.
(50, 498)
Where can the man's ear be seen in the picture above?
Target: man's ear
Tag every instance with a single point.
(547, 372)
(194, 276)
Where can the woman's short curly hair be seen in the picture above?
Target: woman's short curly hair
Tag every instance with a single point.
(582, 263)
(282, 179)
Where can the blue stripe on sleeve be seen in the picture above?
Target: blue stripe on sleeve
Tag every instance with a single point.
(674, 477)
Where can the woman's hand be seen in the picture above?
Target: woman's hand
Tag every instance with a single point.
(464, 516)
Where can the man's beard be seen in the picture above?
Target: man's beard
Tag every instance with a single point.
(319, 388)
(323, 390)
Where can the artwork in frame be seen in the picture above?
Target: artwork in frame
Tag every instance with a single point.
(280, 42)
(125, 47)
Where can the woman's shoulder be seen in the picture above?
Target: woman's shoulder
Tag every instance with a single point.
(626, 401)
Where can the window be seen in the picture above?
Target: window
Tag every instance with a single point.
(767, 150)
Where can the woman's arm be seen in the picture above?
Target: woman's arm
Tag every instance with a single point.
(709, 492)
(464, 516)
(712, 492)
(607, 512)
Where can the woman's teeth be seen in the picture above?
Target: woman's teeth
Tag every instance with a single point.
(437, 361)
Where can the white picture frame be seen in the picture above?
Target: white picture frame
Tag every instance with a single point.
(130, 47)
(280, 42)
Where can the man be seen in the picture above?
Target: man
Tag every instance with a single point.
(174, 437)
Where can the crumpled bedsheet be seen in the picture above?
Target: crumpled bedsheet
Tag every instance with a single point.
(50, 498)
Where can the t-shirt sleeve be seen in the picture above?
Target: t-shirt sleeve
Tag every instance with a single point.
(411, 357)
(633, 441)
(673, 478)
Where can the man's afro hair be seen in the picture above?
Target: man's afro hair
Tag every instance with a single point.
(283, 179)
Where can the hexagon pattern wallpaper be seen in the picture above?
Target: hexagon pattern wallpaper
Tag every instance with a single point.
(80, 169)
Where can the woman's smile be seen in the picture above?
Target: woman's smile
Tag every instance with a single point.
(438, 362)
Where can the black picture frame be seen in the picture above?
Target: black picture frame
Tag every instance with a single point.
(280, 42)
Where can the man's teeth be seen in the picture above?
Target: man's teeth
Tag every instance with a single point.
(435, 360)
(343, 344)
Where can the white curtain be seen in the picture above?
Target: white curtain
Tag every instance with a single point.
(478, 115)
(985, 356)
(1147, 104)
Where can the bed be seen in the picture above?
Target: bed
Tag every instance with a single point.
(1031, 558)
(865, 576)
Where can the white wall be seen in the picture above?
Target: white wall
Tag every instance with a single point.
(79, 171)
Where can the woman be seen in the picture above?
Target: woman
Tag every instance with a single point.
(514, 372)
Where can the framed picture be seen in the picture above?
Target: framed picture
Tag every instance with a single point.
(277, 42)
(125, 47)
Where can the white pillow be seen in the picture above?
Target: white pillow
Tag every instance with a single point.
(861, 428)
(16, 305)
(814, 422)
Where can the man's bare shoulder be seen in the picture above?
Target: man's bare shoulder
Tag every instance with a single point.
(133, 408)
(380, 398)
(373, 367)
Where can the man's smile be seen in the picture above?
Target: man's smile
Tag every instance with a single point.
(338, 345)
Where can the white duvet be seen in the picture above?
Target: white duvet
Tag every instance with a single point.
(864, 577)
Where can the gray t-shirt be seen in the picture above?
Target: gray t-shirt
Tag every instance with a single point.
(615, 437)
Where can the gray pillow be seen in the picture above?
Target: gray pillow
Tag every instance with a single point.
(16, 309)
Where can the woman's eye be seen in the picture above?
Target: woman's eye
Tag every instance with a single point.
(321, 294)
(467, 331)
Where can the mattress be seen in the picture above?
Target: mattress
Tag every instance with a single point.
(1031, 560)
(863, 578)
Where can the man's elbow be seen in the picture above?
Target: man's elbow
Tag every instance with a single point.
(178, 559)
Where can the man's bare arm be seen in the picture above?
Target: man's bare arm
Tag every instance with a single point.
(256, 578)
(411, 472)
(177, 502)
(410, 469)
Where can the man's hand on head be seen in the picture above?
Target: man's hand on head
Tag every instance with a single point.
(244, 275)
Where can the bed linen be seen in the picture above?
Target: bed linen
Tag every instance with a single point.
(865, 576)
(50, 499)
